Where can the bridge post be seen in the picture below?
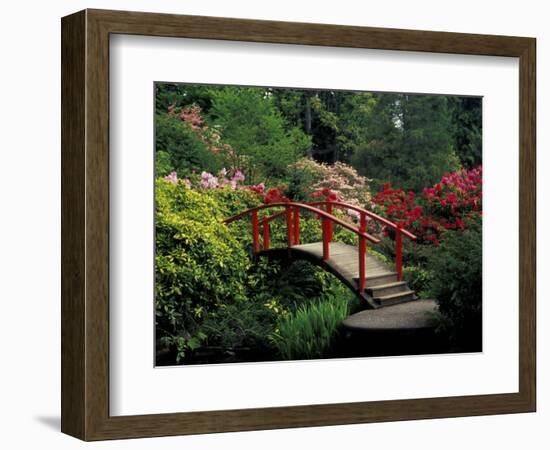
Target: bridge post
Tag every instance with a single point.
(289, 235)
(329, 223)
(325, 231)
(265, 223)
(255, 232)
(399, 253)
(296, 227)
(362, 253)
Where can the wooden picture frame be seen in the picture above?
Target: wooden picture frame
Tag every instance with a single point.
(85, 224)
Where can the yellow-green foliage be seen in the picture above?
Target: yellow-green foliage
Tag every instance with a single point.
(200, 264)
(310, 229)
(230, 202)
(208, 290)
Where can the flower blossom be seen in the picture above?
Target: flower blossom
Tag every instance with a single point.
(328, 194)
(208, 180)
(447, 205)
(353, 214)
(274, 195)
(172, 177)
(238, 176)
(258, 188)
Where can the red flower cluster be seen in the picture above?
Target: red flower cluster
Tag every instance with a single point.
(257, 188)
(457, 193)
(400, 207)
(446, 205)
(275, 195)
(326, 194)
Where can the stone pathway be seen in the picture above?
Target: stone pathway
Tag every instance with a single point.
(419, 314)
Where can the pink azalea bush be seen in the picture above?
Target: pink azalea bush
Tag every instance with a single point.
(211, 136)
(172, 177)
(208, 180)
(340, 178)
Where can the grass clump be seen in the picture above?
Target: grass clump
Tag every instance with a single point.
(309, 331)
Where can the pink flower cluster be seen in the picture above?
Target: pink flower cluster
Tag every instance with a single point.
(340, 178)
(211, 137)
(209, 181)
(192, 115)
(172, 177)
(326, 194)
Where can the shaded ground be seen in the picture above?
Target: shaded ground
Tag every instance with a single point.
(403, 329)
(398, 330)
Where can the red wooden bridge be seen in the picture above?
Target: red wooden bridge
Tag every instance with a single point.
(373, 281)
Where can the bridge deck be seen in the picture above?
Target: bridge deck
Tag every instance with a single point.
(345, 259)
(382, 285)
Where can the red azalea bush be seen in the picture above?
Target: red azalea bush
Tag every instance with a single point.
(274, 195)
(257, 188)
(325, 194)
(456, 197)
(446, 205)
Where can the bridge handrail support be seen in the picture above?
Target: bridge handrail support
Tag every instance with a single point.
(292, 214)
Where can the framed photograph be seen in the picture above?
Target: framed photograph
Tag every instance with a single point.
(272, 225)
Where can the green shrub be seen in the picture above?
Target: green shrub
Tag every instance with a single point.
(293, 284)
(163, 164)
(263, 143)
(418, 279)
(199, 265)
(233, 201)
(210, 294)
(242, 324)
(456, 269)
(309, 331)
(179, 148)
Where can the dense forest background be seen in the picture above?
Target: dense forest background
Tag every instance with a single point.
(408, 140)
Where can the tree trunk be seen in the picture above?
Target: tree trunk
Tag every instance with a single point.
(307, 121)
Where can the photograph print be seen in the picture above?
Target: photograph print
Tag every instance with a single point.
(301, 224)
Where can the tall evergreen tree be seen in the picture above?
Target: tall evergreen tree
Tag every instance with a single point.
(408, 141)
(467, 122)
(256, 130)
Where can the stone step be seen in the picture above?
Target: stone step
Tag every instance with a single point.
(382, 290)
(393, 299)
(379, 279)
(419, 314)
(397, 330)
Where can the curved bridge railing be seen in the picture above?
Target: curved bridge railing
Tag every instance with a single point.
(324, 211)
